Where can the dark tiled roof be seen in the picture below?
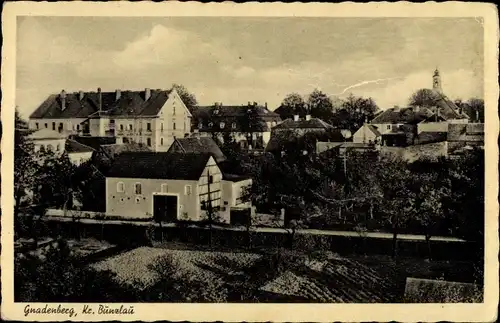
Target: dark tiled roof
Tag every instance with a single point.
(303, 124)
(402, 115)
(94, 142)
(198, 145)
(159, 165)
(130, 103)
(73, 146)
(111, 151)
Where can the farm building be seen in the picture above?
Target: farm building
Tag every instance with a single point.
(170, 187)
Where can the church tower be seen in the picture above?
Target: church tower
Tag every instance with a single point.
(436, 82)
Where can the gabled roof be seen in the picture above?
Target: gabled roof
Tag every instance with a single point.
(313, 123)
(159, 165)
(199, 145)
(113, 150)
(373, 129)
(73, 146)
(129, 104)
(447, 108)
(45, 133)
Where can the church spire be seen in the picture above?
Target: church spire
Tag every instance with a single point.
(436, 81)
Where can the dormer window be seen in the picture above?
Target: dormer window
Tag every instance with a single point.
(222, 125)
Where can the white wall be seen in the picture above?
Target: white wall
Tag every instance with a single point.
(61, 143)
(69, 125)
(79, 158)
(364, 135)
(432, 127)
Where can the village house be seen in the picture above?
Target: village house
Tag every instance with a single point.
(402, 126)
(170, 187)
(464, 137)
(238, 121)
(291, 129)
(151, 117)
(53, 141)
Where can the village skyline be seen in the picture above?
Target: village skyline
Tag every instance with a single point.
(388, 60)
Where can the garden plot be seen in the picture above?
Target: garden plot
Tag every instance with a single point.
(135, 267)
(336, 280)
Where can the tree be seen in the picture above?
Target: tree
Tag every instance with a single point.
(397, 202)
(187, 97)
(25, 164)
(252, 123)
(355, 112)
(475, 109)
(320, 105)
(292, 104)
(423, 98)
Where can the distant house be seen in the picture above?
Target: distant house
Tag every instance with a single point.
(151, 117)
(219, 119)
(77, 152)
(49, 140)
(297, 128)
(367, 134)
(198, 145)
(170, 187)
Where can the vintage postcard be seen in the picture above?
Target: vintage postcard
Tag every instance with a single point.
(249, 162)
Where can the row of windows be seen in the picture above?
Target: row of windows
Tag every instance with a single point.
(49, 147)
(120, 188)
(59, 128)
(222, 125)
(148, 128)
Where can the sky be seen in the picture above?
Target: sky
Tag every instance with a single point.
(234, 60)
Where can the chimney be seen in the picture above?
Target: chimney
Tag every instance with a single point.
(147, 94)
(63, 100)
(308, 117)
(118, 94)
(477, 115)
(254, 104)
(265, 105)
(80, 95)
(249, 104)
(99, 94)
(296, 117)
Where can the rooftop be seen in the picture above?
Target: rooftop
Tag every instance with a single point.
(199, 145)
(116, 104)
(159, 165)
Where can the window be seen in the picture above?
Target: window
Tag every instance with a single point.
(164, 188)
(138, 189)
(46, 125)
(61, 127)
(53, 126)
(174, 110)
(162, 127)
(388, 127)
(161, 141)
(174, 125)
(210, 124)
(112, 121)
(233, 125)
(130, 127)
(120, 187)
(58, 147)
(210, 179)
(222, 125)
(121, 127)
(50, 148)
(36, 125)
(149, 126)
(187, 190)
(78, 127)
(149, 142)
